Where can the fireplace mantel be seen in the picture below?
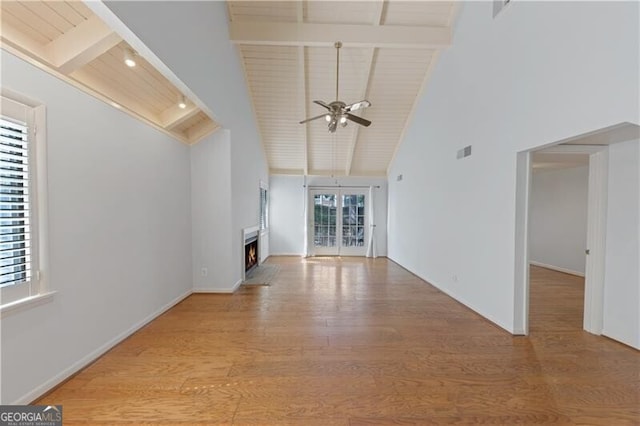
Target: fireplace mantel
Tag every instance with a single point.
(249, 231)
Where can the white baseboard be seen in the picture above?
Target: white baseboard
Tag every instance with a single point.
(458, 299)
(219, 290)
(286, 254)
(556, 268)
(83, 362)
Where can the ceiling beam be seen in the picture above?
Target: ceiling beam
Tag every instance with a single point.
(302, 80)
(286, 171)
(354, 142)
(379, 17)
(305, 34)
(174, 115)
(81, 45)
(201, 130)
(302, 69)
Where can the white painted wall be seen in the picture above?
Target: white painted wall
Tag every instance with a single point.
(201, 56)
(211, 213)
(522, 80)
(558, 218)
(287, 210)
(287, 215)
(120, 234)
(622, 261)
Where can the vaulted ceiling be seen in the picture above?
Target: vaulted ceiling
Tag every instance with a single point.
(287, 48)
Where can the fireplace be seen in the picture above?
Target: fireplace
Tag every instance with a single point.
(251, 254)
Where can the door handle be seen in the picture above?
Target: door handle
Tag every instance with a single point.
(587, 251)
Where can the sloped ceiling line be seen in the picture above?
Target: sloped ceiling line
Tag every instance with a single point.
(365, 93)
(379, 18)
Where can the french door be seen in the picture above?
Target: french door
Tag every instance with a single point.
(340, 223)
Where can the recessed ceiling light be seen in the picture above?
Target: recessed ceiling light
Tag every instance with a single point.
(129, 58)
(183, 103)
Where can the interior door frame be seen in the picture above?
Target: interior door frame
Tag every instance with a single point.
(339, 250)
(596, 235)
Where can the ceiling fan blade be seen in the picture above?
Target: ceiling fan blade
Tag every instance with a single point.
(312, 118)
(361, 121)
(358, 105)
(322, 103)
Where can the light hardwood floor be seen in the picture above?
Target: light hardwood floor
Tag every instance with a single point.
(358, 342)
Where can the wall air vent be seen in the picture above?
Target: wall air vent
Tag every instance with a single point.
(499, 5)
(464, 152)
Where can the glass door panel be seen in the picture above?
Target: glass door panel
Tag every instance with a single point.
(325, 219)
(354, 223)
(353, 220)
(340, 222)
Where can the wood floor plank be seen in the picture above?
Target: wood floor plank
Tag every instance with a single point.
(515, 419)
(356, 341)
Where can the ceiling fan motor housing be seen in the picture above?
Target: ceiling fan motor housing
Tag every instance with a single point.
(338, 111)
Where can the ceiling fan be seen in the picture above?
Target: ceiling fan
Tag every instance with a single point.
(338, 111)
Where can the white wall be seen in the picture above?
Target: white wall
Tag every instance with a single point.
(286, 221)
(287, 210)
(119, 231)
(211, 213)
(522, 80)
(622, 260)
(201, 56)
(558, 218)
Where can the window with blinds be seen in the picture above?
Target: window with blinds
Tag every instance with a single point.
(15, 206)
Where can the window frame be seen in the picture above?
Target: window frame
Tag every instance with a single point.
(263, 215)
(16, 297)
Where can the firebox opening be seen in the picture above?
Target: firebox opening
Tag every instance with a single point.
(250, 254)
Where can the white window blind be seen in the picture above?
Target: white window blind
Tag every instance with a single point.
(15, 218)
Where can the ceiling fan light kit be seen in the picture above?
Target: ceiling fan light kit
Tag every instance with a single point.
(340, 112)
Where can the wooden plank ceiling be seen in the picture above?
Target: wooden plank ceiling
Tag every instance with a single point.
(69, 40)
(289, 60)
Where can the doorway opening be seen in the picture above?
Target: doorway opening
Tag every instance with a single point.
(594, 145)
(557, 240)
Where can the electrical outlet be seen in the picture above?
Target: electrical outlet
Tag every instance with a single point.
(204, 272)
